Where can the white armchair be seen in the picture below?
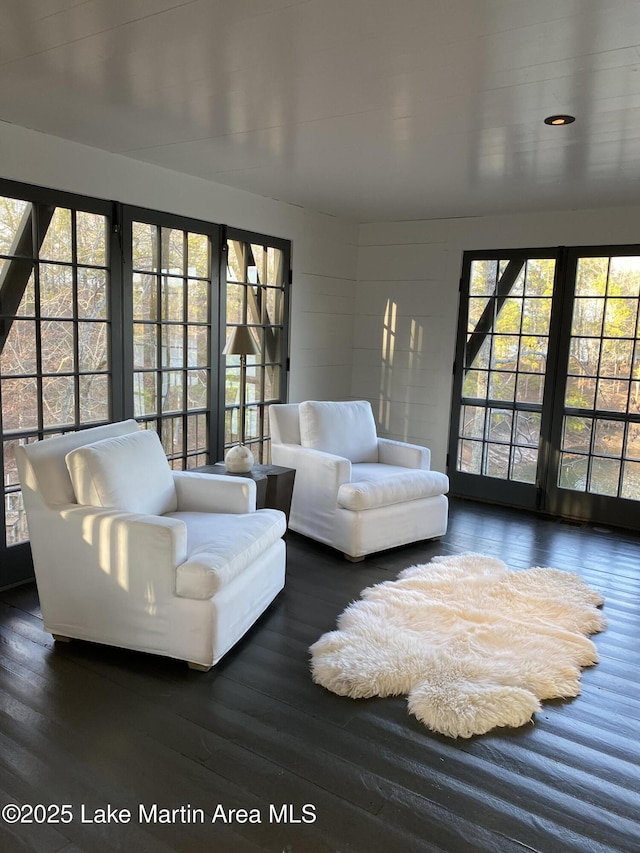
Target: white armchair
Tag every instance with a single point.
(355, 491)
(131, 554)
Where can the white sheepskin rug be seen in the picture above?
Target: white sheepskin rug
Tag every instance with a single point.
(473, 644)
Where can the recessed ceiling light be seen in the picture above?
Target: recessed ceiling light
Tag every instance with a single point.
(557, 121)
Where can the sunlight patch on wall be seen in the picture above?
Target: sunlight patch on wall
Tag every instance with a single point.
(150, 599)
(386, 363)
(416, 349)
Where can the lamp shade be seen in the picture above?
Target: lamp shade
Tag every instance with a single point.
(241, 342)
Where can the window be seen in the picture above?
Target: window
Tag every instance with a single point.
(547, 383)
(599, 445)
(174, 302)
(257, 295)
(505, 362)
(110, 312)
(55, 327)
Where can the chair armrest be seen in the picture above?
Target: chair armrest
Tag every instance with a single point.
(113, 534)
(319, 475)
(199, 492)
(104, 574)
(326, 468)
(403, 454)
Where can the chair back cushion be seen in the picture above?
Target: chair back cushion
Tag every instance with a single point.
(344, 429)
(129, 472)
(43, 473)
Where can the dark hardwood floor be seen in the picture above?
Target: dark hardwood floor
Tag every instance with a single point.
(85, 724)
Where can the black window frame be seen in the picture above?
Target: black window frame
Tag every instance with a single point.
(252, 238)
(214, 232)
(546, 494)
(16, 559)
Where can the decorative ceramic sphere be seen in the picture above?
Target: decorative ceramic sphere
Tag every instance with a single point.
(239, 459)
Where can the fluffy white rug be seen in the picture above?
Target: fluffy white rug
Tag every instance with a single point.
(473, 644)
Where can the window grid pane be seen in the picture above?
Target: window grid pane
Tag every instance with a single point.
(509, 314)
(56, 370)
(256, 295)
(171, 335)
(599, 452)
(56, 354)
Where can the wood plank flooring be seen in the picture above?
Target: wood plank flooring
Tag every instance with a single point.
(82, 724)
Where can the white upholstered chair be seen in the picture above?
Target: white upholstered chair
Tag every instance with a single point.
(353, 490)
(131, 554)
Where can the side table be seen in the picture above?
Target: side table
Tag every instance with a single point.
(274, 484)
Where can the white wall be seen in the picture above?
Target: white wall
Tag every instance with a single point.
(413, 269)
(324, 247)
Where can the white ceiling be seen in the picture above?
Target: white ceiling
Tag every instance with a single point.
(371, 109)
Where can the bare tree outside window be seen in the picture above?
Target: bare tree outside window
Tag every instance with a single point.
(546, 410)
(256, 296)
(108, 312)
(172, 310)
(54, 307)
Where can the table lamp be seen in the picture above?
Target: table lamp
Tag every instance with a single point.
(239, 459)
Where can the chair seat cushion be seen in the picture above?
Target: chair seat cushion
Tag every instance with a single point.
(221, 545)
(393, 486)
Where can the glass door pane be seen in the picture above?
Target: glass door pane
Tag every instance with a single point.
(257, 296)
(596, 438)
(503, 354)
(546, 410)
(56, 371)
(174, 302)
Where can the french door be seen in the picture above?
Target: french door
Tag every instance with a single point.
(173, 308)
(59, 293)
(109, 311)
(257, 295)
(546, 411)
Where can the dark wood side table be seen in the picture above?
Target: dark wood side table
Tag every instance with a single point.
(274, 484)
